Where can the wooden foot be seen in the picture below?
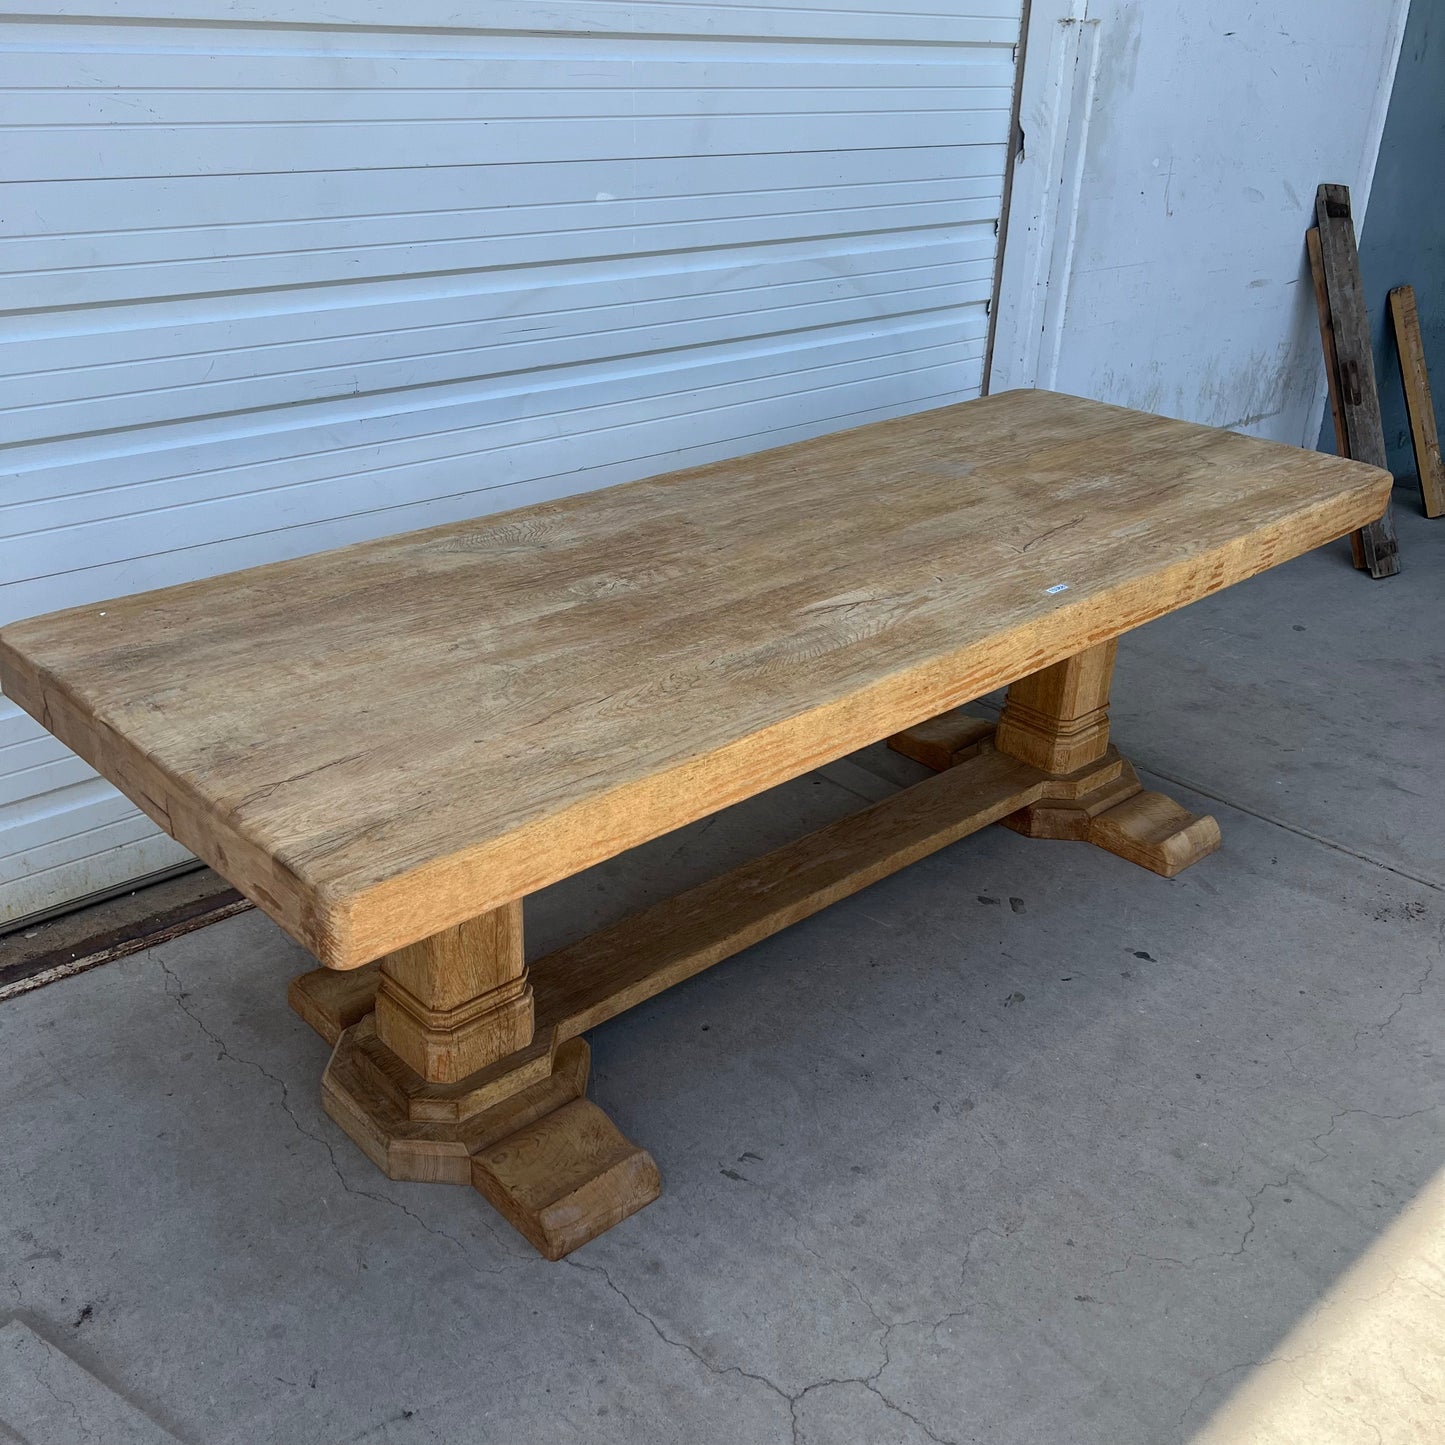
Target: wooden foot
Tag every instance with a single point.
(1121, 817)
(440, 1073)
(942, 741)
(1104, 804)
(566, 1178)
(333, 1000)
(527, 1138)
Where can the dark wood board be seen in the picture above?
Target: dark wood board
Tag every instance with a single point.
(1359, 398)
(1332, 366)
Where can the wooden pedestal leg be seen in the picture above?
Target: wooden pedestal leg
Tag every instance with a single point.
(458, 1001)
(445, 1081)
(1058, 720)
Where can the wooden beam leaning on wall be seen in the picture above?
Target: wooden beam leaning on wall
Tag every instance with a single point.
(1355, 367)
(1332, 366)
(1418, 402)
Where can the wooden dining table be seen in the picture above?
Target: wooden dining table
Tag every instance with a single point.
(389, 746)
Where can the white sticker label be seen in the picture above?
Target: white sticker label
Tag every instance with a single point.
(1057, 587)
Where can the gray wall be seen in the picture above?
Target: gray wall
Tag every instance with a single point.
(1403, 236)
(1155, 245)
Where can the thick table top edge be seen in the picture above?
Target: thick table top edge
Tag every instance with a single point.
(346, 927)
(363, 925)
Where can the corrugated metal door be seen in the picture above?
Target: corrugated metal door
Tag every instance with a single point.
(280, 278)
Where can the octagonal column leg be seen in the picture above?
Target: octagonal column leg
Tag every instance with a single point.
(1058, 719)
(459, 1000)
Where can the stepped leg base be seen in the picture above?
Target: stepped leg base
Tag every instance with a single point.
(1104, 804)
(543, 1155)
(1125, 819)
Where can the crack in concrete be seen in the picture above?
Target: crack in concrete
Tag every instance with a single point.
(1379, 1029)
(973, 1239)
(1252, 1199)
(1208, 1381)
(602, 1273)
(791, 1400)
(178, 997)
(1153, 1259)
(1369, 1114)
(1253, 1202)
(61, 1400)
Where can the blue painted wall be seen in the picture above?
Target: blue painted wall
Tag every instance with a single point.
(1403, 236)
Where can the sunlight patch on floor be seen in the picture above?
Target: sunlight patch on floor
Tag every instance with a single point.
(1367, 1364)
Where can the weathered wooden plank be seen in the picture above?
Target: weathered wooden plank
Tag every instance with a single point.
(1332, 366)
(1359, 397)
(583, 985)
(1418, 401)
(379, 743)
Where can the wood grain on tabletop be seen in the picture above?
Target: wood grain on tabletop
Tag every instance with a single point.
(380, 742)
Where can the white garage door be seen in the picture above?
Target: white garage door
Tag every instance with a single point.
(281, 277)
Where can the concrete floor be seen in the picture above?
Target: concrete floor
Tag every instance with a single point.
(1023, 1144)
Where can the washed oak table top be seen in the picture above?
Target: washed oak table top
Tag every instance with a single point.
(388, 746)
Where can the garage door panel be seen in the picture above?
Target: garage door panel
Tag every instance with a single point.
(278, 279)
(261, 214)
(479, 99)
(204, 279)
(144, 63)
(85, 859)
(533, 444)
(56, 269)
(578, 302)
(73, 401)
(417, 492)
(73, 464)
(24, 783)
(18, 730)
(61, 153)
(986, 22)
(927, 382)
(478, 363)
(666, 382)
(27, 749)
(31, 827)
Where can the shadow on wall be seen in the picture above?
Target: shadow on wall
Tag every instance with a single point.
(1402, 239)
